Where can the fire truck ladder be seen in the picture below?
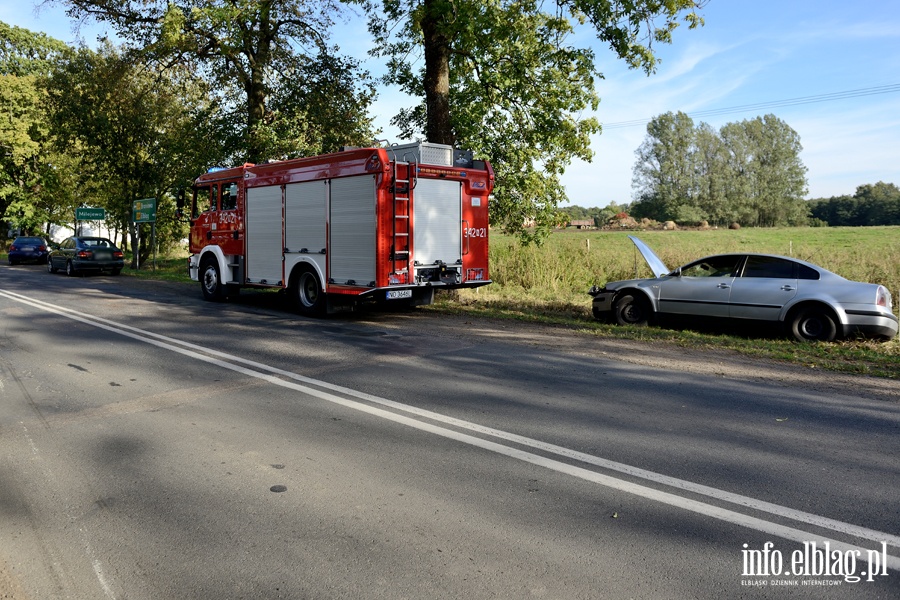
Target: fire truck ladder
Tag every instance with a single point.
(401, 192)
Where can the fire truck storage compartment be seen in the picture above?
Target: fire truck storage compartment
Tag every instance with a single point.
(304, 218)
(437, 225)
(423, 152)
(264, 249)
(352, 249)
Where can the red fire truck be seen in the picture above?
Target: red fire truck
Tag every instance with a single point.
(384, 224)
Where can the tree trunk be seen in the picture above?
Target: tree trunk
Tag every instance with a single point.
(256, 101)
(438, 128)
(255, 85)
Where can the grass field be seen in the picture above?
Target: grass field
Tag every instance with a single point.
(549, 284)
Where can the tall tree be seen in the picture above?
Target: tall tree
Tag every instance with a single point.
(737, 175)
(879, 204)
(24, 52)
(710, 177)
(251, 46)
(872, 204)
(27, 158)
(663, 174)
(142, 131)
(749, 172)
(779, 176)
(503, 78)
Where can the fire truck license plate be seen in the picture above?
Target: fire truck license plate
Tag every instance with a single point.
(397, 294)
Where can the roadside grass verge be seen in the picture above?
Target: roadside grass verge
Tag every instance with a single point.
(549, 284)
(164, 269)
(863, 357)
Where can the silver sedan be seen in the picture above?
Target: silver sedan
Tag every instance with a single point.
(811, 303)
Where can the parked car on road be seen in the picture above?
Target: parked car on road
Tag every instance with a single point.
(28, 249)
(811, 303)
(80, 254)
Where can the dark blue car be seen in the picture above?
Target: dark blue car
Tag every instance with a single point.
(28, 249)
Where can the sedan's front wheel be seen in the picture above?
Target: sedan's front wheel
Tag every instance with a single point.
(813, 325)
(50, 267)
(632, 310)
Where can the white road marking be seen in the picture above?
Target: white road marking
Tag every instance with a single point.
(231, 362)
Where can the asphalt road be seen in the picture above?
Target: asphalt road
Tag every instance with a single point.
(157, 446)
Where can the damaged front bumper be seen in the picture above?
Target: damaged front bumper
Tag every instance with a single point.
(601, 307)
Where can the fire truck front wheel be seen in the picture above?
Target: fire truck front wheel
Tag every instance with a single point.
(210, 281)
(307, 293)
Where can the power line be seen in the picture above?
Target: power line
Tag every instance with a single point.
(884, 89)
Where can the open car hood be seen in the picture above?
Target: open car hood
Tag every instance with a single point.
(653, 261)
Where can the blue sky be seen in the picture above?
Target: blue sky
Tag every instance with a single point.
(755, 54)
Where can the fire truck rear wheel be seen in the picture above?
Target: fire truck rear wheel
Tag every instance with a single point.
(211, 282)
(307, 293)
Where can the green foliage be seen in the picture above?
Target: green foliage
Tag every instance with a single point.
(504, 79)
(137, 132)
(268, 60)
(23, 150)
(29, 180)
(24, 52)
(664, 173)
(877, 204)
(317, 107)
(748, 172)
(600, 216)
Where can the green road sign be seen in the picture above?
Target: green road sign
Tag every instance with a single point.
(144, 211)
(90, 214)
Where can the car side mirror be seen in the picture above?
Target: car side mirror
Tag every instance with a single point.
(181, 217)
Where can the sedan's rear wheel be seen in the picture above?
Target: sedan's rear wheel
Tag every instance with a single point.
(813, 325)
(70, 269)
(632, 310)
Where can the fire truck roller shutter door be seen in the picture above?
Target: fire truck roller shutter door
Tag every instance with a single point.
(352, 251)
(437, 206)
(304, 217)
(264, 235)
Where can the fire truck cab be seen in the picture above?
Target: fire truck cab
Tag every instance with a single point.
(365, 224)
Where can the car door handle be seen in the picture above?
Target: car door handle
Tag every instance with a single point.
(723, 286)
(787, 288)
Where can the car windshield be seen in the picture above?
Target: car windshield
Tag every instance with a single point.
(29, 240)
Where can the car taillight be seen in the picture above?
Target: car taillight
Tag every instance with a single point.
(42, 248)
(883, 297)
(85, 254)
(118, 254)
(13, 248)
